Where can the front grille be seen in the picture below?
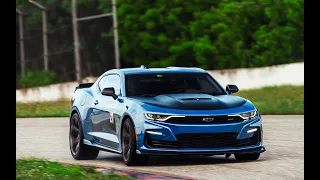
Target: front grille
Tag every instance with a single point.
(200, 120)
(212, 140)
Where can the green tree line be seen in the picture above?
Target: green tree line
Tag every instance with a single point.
(211, 34)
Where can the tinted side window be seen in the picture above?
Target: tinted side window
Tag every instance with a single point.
(113, 81)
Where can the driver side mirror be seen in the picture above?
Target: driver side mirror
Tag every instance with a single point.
(232, 88)
(109, 92)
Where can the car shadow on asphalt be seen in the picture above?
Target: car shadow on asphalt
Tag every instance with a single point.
(181, 160)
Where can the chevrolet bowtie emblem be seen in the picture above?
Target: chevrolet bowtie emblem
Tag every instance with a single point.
(208, 119)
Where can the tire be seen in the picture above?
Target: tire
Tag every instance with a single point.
(129, 146)
(79, 151)
(247, 156)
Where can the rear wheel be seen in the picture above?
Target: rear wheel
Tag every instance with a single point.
(247, 156)
(79, 150)
(128, 140)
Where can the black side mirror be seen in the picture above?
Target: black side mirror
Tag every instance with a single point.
(109, 92)
(232, 88)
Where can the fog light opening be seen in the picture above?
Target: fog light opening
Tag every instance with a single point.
(252, 130)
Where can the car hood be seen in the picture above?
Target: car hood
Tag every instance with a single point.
(193, 101)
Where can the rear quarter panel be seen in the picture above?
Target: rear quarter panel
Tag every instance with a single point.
(82, 100)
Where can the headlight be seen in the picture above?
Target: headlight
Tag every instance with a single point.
(158, 117)
(248, 115)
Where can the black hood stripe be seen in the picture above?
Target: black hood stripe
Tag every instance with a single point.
(193, 101)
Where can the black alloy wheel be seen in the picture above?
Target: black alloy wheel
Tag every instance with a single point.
(128, 144)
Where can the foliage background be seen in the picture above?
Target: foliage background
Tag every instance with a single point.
(219, 34)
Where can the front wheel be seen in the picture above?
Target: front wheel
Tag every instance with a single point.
(247, 156)
(128, 140)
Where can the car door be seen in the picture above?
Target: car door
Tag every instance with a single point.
(104, 128)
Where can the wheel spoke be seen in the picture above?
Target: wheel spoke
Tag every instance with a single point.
(128, 153)
(126, 148)
(78, 138)
(75, 143)
(74, 129)
(76, 124)
(77, 147)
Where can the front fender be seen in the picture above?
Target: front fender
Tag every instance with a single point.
(73, 110)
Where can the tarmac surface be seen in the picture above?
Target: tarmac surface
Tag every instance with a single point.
(283, 138)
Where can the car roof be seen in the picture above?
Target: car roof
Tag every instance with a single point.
(144, 70)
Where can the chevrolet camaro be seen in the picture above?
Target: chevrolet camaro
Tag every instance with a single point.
(140, 112)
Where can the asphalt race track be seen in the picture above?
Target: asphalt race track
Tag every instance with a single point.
(283, 139)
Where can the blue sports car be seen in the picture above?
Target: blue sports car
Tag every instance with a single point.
(139, 112)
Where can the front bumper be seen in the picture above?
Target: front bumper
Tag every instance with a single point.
(227, 138)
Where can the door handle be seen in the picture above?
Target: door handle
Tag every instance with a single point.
(96, 102)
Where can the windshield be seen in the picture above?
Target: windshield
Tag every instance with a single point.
(149, 85)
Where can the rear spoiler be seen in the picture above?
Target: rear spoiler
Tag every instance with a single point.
(84, 85)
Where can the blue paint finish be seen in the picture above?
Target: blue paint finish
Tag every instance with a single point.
(107, 117)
